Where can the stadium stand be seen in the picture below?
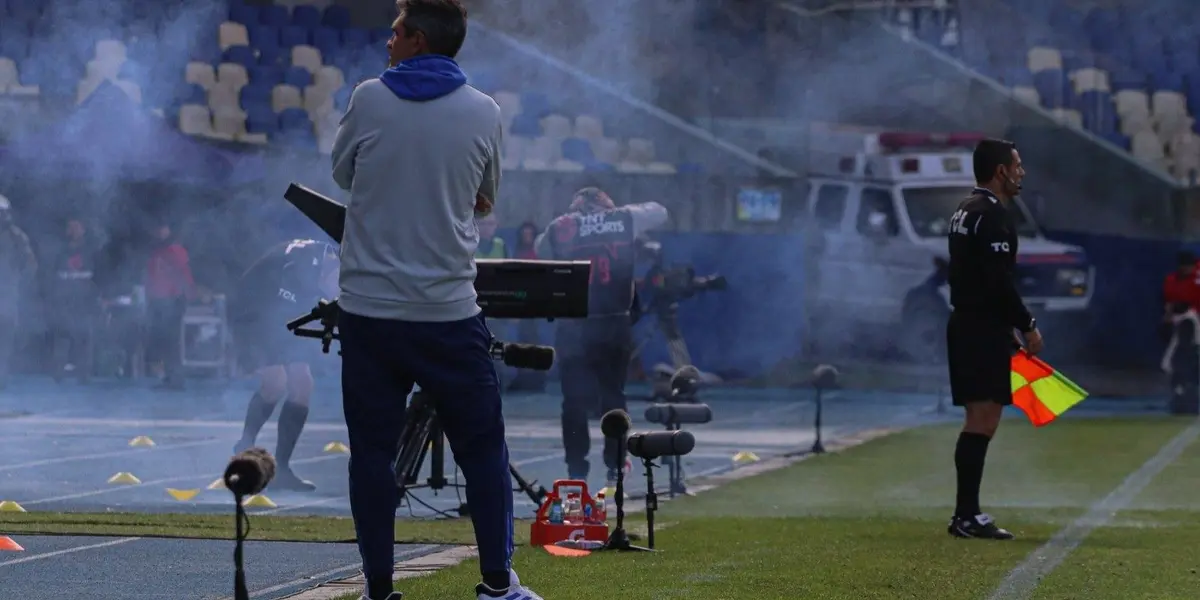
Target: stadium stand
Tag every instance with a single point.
(1127, 72)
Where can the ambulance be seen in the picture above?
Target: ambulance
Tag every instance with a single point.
(882, 202)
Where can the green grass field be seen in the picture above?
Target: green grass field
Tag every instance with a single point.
(868, 522)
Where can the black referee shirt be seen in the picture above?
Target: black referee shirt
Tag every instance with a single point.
(983, 255)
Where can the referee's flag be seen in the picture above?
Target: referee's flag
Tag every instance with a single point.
(1040, 391)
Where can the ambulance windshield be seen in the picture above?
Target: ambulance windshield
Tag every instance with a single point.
(930, 209)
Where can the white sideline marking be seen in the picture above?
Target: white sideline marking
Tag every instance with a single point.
(112, 454)
(43, 555)
(1024, 579)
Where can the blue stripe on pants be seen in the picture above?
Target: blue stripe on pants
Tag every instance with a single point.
(381, 360)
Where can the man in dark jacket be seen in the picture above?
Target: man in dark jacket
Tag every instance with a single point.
(74, 303)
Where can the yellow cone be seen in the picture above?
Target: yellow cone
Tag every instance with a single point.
(124, 478)
(182, 495)
(337, 447)
(217, 485)
(10, 506)
(745, 457)
(141, 441)
(259, 501)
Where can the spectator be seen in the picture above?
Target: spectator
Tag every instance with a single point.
(17, 263)
(490, 246)
(168, 286)
(1181, 285)
(74, 303)
(526, 235)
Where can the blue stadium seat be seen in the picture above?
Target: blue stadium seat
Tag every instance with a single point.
(255, 93)
(15, 47)
(274, 14)
(535, 104)
(341, 98)
(380, 35)
(272, 55)
(1049, 85)
(1117, 139)
(298, 76)
(293, 35)
(1164, 80)
(260, 119)
(304, 139)
(598, 167)
(294, 118)
(244, 14)
(308, 17)
(336, 16)
(194, 94)
(526, 125)
(355, 39)
(577, 150)
(269, 74)
(263, 36)
(242, 55)
(328, 40)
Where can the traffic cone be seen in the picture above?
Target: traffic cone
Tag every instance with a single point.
(10, 506)
(259, 501)
(337, 447)
(8, 545)
(124, 479)
(142, 441)
(745, 457)
(219, 484)
(182, 495)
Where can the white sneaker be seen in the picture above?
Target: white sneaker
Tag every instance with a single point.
(515, 590)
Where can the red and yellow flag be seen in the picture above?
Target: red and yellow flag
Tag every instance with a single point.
(1040, 391)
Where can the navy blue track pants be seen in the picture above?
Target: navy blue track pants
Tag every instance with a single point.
(381, 360)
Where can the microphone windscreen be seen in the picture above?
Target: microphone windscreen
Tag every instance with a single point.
(249, 472)
(615, 423)
(661, 443)
(679, 414)
(526, 356)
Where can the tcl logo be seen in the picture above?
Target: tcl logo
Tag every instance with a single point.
(1000, 247)
(286, 295)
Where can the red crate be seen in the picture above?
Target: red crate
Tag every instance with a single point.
(545, 533)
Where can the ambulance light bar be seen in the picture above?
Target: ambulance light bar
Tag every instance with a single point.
(896, 140)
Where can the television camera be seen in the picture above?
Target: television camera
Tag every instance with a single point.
(665, 288)
(507, 289)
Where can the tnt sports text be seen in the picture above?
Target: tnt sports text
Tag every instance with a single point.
(595, 225)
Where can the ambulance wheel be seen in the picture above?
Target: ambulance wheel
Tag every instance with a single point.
(923, 331)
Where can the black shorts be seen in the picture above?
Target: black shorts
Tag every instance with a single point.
(979, 352)
(258, 348)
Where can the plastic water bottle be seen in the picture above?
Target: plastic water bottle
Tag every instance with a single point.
(602, 505)
(572, 508)
(587, 512)
(556, 511)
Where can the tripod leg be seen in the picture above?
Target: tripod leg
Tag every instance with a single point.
(535, 494)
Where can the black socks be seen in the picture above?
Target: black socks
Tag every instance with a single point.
(292, 418)
(380, 590)
(497, 580)
(969, 457)
(257, 414)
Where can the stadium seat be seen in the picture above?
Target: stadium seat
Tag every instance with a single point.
(556, 126)
(337, 17)
(298, 76)
(223, 98)
(110, 51)
(101, 70)
(264, 36)
(318, 101)
(255, 94)
(1068, 116)
(308, 17)
(228, 126)
(513, 152)
(244, 14)
(15, 47)
(307, 57)
(285, 96)
(8, 74)
(271, 75)
(509, 103)
(329, 78)
(232, 34)
(1147, 147)
(274, 14)
(577, 150)
(291, 36)
(1028, 94)
(195, 120)
(270, 55)
(232, 75)
(588, 127)
(355, 39)
(1090, 79)
(328, 40)
(1169, 108)
(607, 150)
(241, 55)
(260, 123)
(1043, 59)
(640, 150)
(193, 94)
(542, 154)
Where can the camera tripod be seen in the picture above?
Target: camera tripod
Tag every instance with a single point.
(422, 435)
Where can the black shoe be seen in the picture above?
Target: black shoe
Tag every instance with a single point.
(285, 479)
(980, 526)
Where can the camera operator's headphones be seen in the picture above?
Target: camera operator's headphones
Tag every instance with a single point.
(591, 199)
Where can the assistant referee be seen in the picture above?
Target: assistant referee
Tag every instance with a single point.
(987, 313)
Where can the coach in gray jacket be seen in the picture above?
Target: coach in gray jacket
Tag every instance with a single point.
(419, 151)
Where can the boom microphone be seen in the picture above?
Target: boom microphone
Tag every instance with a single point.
(249, 472)
(615, 423)
(528, 356)
(660, 443)
(679, 414)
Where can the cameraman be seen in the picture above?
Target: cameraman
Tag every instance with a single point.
(594, 353)
(419, 151)
(283, 284)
